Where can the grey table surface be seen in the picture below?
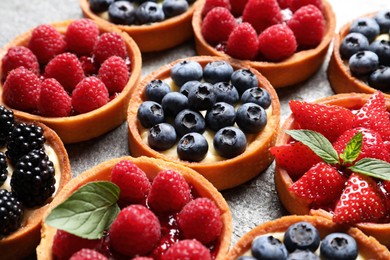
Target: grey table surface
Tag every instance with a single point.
(252, 203)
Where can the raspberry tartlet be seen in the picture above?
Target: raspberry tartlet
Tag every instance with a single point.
(218, 129)
(342, 187)
(282, 65)
(22, 212)
(153, 36)
(55, 75)
(145, 180)
(300, 236)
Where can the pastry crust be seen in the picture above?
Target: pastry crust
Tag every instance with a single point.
(291, 71)
(86, 126)
(152, 37)
(151, 167)
(223, 174)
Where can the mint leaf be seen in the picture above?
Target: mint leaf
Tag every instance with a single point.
(372, 167)
(353, 148)
(88, 211)
(317, 143)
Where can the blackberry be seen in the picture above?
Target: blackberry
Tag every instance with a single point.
(33, 178)
(3, 168)
(24, 138)
(6, 124)
(11, 213)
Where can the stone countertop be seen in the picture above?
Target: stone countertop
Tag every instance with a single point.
(251, 203)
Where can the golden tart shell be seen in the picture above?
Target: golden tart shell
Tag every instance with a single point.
(296, 69)
(223, 174)
(86, 126)
(151, 167)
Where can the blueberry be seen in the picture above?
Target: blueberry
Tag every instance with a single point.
(246, 257)
(303, 236)
(380, 78)
(363, 63)
(302, 254)
(161, 136)
(191, 1)
(202, 96)
(150, 113)
(338, 246)
(220, 115)
(149, 12)
(366, 26)
(383, 20)
(173, 103)
(192, 147)
(217, 71)
(229, 142)
(186, 70)
(121, 12)
(173, 8)
(244, 79)
(226, 92)
(185, 89)
(251, 118)
(353, 43)
(98, 6)
(188, 121)
(382, 49)
(156, 89)
(268, 247)
(258, 96)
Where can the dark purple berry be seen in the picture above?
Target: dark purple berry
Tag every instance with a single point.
(338, 246)
(382, 49)
(185, 89)
(149, 12)
(3, 168)
(150, 113)
(173, 8)
(217, 71)
(161, 136)
(121, 12)
(192, 147)
(366, 26)
(268, 247)
(380, 79)
(188, 121)
(244, 79)
(173, 103)
(303, 236)
(302, 254)
(220, 115)
(98, 6)
(156, 89)
(226, 92)
(363, 63)
(186, 70)
(352, 43)
(229, 142)
(251, 118)
(6, 124)
(202, 96)
(258, 96)
(11, 213)
(383, 20)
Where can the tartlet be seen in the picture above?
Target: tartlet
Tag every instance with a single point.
(151, 167)
(225, 173)
(86, 126)
(151, 37)
(299, 67)
(369, 247)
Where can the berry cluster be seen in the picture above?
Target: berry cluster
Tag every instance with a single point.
(162, 219)
(59, 75)
(366, 47)
(267, 30)
(204, 102)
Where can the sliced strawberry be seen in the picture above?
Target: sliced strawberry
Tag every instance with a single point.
(360, 202)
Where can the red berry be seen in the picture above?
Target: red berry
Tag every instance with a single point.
(54, 101)
(21, 89)
(109, 44)
(217, 25)
(308, 25)
(187, 249)
(114, 74)
(277, 42)
(81, 36)
(66, 69)
(135, 231)
(19, 56)
(284, 4)
(89, 66)
(132, 181)
(88, 254)
(296, 4)
(261, 14)
(238, 6)
(243, 42)
(46, 42)
(89, 94)
(211, 4)
(200, 219)
(169, 192)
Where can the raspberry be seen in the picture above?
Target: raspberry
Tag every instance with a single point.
(19, 56)
(89, 94)
(46, 42)
(135, 231)
(296, 4)
(142, 258)
(200, 219)
(66, 244)
(11, 212)
(308, 25)
(54, 101)
(81, 36)
(187, 249)
(89, 66)
(243, 42)
(217, 25)
(109, 44)
(114, 74)
(238, 6)
(284, 4)
(66, 69)
(210, 4)
(169, 192)
(132, 181)
(277, 42)
(21, 89)
(7, 122)
(88, 254)
(262, 14)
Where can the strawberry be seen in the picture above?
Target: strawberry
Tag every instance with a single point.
(19, 56)
(296, 4)
(238, 6)
(217, 25)
(243, 42)
(54, 101)
(261, 14)
(384, 187)
(331, 121)
(211, 4)
(81, 36)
